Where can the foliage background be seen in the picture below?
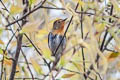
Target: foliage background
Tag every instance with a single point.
(93, 44)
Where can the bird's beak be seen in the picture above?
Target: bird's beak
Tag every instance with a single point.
(65, 19)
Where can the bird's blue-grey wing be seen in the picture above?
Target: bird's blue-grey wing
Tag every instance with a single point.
(62, 45)
(52, 42)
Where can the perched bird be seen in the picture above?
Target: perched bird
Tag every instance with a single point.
(54, 39)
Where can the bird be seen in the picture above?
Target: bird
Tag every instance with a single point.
(54, 40)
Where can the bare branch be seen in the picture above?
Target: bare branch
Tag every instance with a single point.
(27, 64)
(14, 64)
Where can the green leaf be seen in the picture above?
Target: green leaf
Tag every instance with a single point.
(1, 51)
(15, 9)
(32, 2)
(1, 30)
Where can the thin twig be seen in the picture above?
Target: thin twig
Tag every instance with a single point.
(52, 8)
(9, 12)
(82, 38)
(27, 64)
(111, 50)
(101, 48)
(72, 71)
(28, 78)
(37, 50)
(5, 74)
(108, 41)
(98, 74)
(27, 14)
(8, 41)
(85, 13)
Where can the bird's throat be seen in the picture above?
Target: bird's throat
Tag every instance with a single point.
(59, 31)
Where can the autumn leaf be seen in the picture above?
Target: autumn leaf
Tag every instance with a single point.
(67, 75)
(62, 61)
(100, 27)
(41, 33)
(36, 66)
(78, 66)
(80, 2)
(69, 9)
(7, 62)
(1, 42)
(31, 27)
(113, 55)
(15, 9)
(51, 3)
(116, 5)
(5, 1)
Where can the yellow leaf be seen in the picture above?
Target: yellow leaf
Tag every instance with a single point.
(70, 10)
(100, 27)
(31, 27)
(116, 5)
(13, 44)
(113, 55)
(1, 42)
(46, 52)
(7, 62)
(78, 66)
(67, 75)
(15, 9)
(5, 1)
(44, 48)
(51, 3)
(62, 61)
(81, 3)
(36, 66)
(42, 33)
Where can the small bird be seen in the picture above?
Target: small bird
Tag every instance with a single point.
(54, 39)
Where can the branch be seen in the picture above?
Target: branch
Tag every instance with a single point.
(28, 78)
(9, 12)
(19, 43)
(37, 50)
(102, 45)
(27, 64)
(10, 38)
(27, 14)
(82, 38)
(52, 8)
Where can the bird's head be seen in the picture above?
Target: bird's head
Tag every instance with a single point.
(58, 24)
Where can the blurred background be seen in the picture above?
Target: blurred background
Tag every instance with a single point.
(93, 45)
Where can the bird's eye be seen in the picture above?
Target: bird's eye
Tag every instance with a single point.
(58, 21)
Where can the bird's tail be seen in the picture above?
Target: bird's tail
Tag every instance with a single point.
(57, 58)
